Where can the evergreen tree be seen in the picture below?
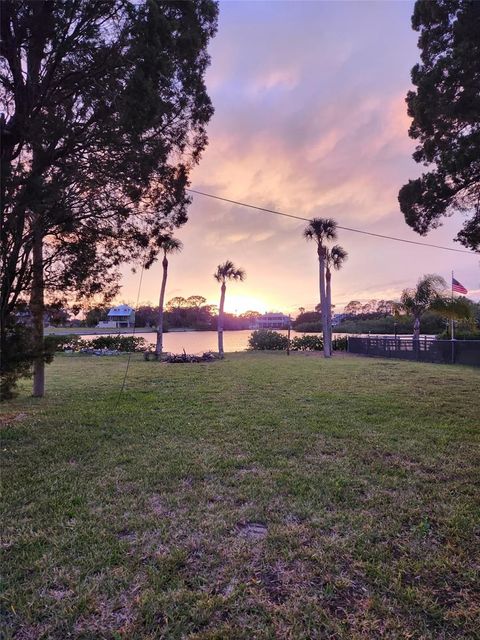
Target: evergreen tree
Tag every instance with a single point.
(445, 108)
(104, 114)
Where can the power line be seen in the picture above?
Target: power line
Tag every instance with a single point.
(291, 215)
(122, 388)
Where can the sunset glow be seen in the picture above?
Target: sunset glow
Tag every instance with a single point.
(238, 304)
(315, 125)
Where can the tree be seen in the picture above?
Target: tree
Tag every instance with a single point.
(453, 309)
(105, 113)
(57, 314)
(320, 230)
(353, 308)
(168, 245)
(415, 302)
(224, 272)
(445, 108)
(196, 301)
(335, 257)
(95, 314)
(146, 316)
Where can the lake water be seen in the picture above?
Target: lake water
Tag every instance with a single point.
(198, 341)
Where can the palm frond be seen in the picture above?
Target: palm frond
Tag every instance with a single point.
(321, 229)
(338, 256)
(169, 244)
(228, 271)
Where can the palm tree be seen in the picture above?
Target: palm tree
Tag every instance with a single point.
(415, 302)
(168, 244)
(452, 309)
(335, 257)
(224, 272)
(320, 230)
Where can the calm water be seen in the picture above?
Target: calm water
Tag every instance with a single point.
(199, 341)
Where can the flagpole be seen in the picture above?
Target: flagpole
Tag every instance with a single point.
(451, 319)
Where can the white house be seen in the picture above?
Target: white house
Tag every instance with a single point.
(272, 321)
(121, 316)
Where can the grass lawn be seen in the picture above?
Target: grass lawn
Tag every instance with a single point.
(258, 497)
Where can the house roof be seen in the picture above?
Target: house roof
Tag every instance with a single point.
(122, 310)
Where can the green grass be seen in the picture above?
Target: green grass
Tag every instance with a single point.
(259, 497)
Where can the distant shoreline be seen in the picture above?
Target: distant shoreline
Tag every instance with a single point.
(94, 331)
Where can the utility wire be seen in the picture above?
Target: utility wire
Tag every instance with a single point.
(133, 334)
(290, 215)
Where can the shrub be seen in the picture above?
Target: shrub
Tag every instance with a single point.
(62, 343)
(309, 327)
(116, 343)
(340, 344)
(266, 340)
(18, 354)
(460, 335)
(307, 343)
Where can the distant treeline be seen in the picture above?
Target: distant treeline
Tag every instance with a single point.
(192, 313)
(379, 316)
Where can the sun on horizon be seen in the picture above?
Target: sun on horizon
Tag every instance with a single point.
(238, 303)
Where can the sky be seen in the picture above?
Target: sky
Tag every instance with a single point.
(310, 119)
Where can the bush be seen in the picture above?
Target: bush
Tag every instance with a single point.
(340, 344)
(460, 335)
(18, 354)
(309, 327)
(307, 343)
(62, 343)
(266, 340)
(115, 343)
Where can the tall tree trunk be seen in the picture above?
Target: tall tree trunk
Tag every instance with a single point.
(220, 320)
(328, 279)
(323, 302)
(416, 328)
(159, 346)
(37, 309)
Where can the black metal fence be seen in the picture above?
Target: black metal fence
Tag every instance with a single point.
(423, 350)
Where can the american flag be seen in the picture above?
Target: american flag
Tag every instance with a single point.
(459, 288)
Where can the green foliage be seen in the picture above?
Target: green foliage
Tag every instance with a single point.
(307, 317)
(309, 327)
(18, 354)
(127, 344)
(340, 344)
(69, 342)
(106, 116)
(307, 343)
(429, 323)
(266, 340)
(16, 359)
(460, 334)
(445, 108)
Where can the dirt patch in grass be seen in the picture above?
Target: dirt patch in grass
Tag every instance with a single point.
(8, 418)
(252, 530)
(111, 616)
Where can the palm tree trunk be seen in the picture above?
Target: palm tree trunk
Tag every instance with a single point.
(416, 328)
(37, 309)
(159, 345)
(220, 319)
(328, 279)
(323, 302)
